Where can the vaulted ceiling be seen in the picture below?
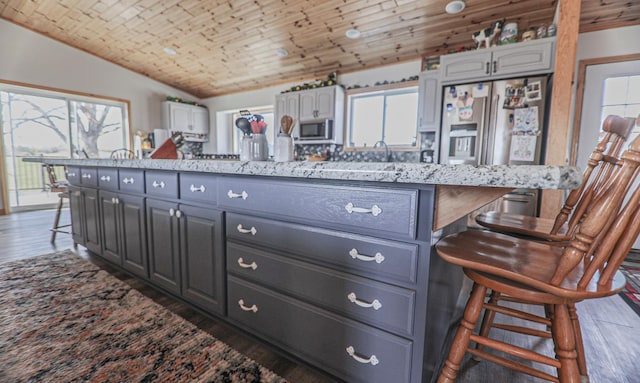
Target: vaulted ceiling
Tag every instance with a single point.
(229, 46)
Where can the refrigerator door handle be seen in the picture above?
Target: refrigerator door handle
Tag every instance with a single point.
(487, 158)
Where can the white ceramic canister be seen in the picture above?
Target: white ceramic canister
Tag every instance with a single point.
(283, 149)
(245, 148)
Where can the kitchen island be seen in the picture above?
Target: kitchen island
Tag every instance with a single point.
(330, 262)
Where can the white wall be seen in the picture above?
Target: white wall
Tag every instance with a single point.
(221, 106)
(30, 58)
(609, 42)
(37, 60)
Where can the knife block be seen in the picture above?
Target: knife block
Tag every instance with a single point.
(168, 150)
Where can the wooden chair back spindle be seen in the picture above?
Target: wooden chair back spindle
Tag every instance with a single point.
(605, 216)
(606, 154)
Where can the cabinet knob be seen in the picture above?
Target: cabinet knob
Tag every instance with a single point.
(242, 195)
(253, 308)
(242, 230)
(172, 212)
(370, 360)
(376, 305)
(379, 258)
(178, 213)
(374, 210)
(251, 265)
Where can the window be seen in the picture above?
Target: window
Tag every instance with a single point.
(37, 122)
(621, 96)
(388, 115)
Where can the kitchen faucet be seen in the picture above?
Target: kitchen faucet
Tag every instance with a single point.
(387, 152)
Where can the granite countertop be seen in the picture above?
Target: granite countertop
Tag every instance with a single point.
(521, 176)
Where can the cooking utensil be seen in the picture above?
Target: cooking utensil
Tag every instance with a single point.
(286, 124)
(244, 125)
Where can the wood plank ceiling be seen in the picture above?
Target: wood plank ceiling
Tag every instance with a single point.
(230, 46)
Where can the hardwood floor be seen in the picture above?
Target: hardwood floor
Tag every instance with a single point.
(610, 327)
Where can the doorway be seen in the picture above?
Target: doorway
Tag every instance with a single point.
(45, 123)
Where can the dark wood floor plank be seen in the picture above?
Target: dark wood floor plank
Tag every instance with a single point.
(611, 328)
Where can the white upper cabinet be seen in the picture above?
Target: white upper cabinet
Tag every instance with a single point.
(191, 120)
(287, 104)
(521, 59)
(318, 104)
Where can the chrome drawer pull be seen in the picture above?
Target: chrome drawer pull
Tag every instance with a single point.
(354, 299)
(194, 189)
(372, 359)
(127, 180)
(375, 210)
(253, 230)
(105, 178)
(242, 195)
(71, 174)
(87, 176)
(379, 258)
(158, 184)
(253, 308)
(253, 265)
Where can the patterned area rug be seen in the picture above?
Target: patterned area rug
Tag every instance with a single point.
(631, 292)
(63, 319)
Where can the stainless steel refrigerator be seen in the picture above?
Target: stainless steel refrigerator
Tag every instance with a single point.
(497, 123)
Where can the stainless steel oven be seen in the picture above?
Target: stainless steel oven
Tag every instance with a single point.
(315, 132)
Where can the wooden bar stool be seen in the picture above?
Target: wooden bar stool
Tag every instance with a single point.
(599, 168)
(541, 273)
(60, 187)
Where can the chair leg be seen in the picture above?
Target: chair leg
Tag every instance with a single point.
(56, 221)
(577, 332)
(565, 344)
(487, 319)
(461, 340)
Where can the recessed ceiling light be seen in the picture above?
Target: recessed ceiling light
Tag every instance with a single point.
(169, 51)
(282, 52)
(454, 7)
(352, 33)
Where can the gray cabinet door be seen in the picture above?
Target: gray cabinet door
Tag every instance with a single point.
(466, 65)
(132, 222)
(430, 95)
(524, 59)
(202, 257)
(163, 245)
(110, 227)
(92, 218)
(77, 214)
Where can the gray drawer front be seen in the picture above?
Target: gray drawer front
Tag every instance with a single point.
(319, 337)
(198, 187)
(384, 210)
(161, 184)
(396, 261)
(73, 175)
(375, 303)
(131, 180)
(89, 177)
(108, 179)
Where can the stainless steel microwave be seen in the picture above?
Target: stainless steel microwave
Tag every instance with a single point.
(316, 132)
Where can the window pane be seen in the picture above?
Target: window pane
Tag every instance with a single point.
(615, 90)
(98, 128)
(634, 90)
(366, 120)
(401, 119)
(607, 110)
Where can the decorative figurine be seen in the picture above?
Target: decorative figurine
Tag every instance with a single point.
(488, 34)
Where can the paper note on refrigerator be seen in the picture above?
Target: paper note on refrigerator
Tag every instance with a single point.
(523, 148)
(526, 120)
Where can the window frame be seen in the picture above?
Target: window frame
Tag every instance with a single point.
(388, 89)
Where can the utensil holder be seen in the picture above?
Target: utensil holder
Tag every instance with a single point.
(283, 149)
(246, 148)
(259, 148)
